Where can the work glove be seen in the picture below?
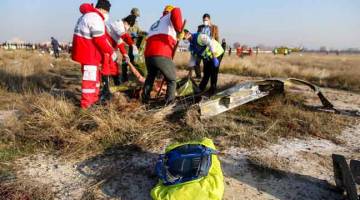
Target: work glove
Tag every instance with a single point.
(135, 51)
(114, 56)
(216, 62)
(180, 36)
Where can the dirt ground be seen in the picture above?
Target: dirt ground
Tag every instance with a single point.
(290, 169)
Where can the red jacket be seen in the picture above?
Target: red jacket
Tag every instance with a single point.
(89, 40)
(162, 35)
(121, 46)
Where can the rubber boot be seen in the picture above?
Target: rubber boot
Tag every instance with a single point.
(124, 70)
(117, 80)
(212, 90)
(105, 92)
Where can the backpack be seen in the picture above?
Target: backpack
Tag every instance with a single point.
(184, 163)
(191, 171)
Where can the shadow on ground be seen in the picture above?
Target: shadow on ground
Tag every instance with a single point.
(280, 184)
(123, 172)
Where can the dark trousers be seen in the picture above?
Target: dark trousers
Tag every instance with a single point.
(56, 53)
(210, 73)
(124, 66)
(197, 68)
(167, 67)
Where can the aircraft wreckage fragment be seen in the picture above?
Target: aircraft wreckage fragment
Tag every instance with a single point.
(246, 92)
(346, 177)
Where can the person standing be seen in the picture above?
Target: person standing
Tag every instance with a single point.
(55, 46)
(161, 42)
(117, 36)
(210, 29)
(135, 32)
(211, 52)
(90, 47)
(223, 44)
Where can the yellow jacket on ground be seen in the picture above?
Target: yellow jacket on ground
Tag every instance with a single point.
(210, 187)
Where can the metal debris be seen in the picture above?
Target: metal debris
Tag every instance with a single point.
(344, 177)
(253, 90)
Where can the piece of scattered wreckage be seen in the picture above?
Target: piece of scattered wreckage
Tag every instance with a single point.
(249, 91)
(346, 177)
(244, 93)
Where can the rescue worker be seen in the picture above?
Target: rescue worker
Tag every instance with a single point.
(161, 42)
(136, 28)
(117, 34)
(212, 31)
(211, 52)
(90, 46)
(135, 32)
(55, 45)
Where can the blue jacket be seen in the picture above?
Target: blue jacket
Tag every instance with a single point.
(195, 48)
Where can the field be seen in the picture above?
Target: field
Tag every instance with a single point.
(340, 72)
(275, 148)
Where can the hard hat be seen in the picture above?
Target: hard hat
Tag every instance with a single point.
(136, 12)
(169, 8)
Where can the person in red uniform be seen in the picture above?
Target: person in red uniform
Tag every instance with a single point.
(161, 42)
(118, 36)
(90, 45)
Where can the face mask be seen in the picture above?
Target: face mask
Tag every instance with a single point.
(206, 23)
(106, 17)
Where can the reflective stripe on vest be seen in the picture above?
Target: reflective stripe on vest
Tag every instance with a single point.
(163, 26)
(82, 28)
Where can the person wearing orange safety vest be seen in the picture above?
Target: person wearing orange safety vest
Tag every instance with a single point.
(118, 36)
(161, 42)
(90, 44)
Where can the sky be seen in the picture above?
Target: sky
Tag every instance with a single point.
(309, 23)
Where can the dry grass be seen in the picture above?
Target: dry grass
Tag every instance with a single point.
(25, 190)
(54, 123)
(341, 72)
(266, 121)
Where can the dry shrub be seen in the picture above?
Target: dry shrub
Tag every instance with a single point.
(54, 123)
(25, 190)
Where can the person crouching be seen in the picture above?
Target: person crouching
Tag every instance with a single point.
(211, 51)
